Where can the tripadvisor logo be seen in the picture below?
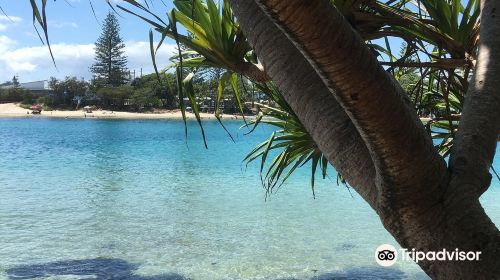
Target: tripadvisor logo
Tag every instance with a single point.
(387, 255)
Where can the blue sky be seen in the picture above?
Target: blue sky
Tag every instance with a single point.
(73, 29)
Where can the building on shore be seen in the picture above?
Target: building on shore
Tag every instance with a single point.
(37, 88)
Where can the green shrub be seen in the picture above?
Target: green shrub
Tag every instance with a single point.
(114, 96)
(46, 101)
(11, 95)
(144, 98)
(27, 98)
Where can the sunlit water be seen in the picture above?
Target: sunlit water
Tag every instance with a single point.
(95, 199)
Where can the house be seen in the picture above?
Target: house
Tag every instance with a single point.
(37, 88)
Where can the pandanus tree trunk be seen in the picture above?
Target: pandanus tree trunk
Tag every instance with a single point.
(363, 122)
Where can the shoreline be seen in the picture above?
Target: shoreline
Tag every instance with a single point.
(13, 110)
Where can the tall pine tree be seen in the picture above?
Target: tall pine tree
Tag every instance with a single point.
(110, 62)
(15, 82)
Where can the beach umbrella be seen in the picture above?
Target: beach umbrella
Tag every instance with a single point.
(36, 107)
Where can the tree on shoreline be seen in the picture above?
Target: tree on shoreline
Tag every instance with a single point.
(362, 121)
(110, 64)
(364, 126)
(15, 82)
(64, 91)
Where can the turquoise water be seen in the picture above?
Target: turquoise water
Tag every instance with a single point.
(98, 199)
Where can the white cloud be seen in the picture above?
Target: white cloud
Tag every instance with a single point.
(6, 43)
(139, 56)
(12, 19)
(34, 63)
(62, 24)
(8, 21)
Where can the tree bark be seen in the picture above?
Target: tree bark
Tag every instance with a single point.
(317, 109)
(310, 43)
(479, 128)
(474, 148)
(399, 145)
(252, 71)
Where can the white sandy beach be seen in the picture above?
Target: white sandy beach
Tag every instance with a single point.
(13, 110)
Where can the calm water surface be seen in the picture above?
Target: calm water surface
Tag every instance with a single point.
(100, 199)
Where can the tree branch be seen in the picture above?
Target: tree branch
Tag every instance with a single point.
(317, 109)
(479, 128)
(408, 167)
(252, 71)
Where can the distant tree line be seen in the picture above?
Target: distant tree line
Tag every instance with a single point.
(71, 93)
(112, 87)
(141, 94)
(12, 92)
